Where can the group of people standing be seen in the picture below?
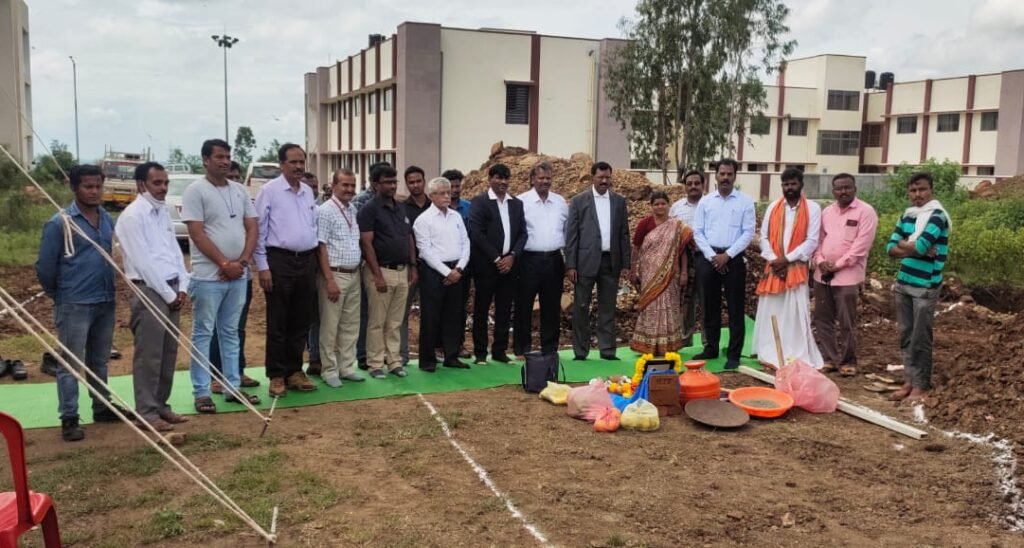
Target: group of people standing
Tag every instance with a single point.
(340, 274)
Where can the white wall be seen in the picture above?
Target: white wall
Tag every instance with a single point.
(386, 55)
(371, 66)
(986, 91)
(949, 94)
(473, 94)
(567, 96)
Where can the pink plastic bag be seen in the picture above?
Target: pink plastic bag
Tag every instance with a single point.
(587, 402)
(811, 390)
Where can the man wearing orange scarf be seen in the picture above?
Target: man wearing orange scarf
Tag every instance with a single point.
(789, 236)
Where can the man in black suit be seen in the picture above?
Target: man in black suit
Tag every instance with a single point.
(596, 252)
(497, 230)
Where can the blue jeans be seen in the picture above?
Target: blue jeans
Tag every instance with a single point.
(87, 330)
(243, 318)
(216, 305)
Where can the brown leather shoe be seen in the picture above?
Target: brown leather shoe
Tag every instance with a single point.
(277, 388)
(299, 381)
(314, 368)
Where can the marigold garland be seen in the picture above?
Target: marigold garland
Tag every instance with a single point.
(641, 364)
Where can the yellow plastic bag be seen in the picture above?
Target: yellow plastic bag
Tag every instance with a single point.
(555, 393)
(640, 415)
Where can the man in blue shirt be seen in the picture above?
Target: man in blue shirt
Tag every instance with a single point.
(723, 227)
(82, 289)
(461, 205)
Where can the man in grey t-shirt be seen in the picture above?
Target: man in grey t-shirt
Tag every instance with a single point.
(222, 227)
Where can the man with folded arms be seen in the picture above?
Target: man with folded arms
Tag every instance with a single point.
(443, 246)
(338, 286)
(286, 256)
(153, 262)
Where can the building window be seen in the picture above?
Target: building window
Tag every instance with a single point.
(948, 123)
(345, 107)
(388, 98)
(757, 167)
(517, 104)
(986, 170)
(843, 100)
(906, 124)
(796, 166)
(989, 121)
(873, 135)
(357, 104)
(760, 125)
(798, 127)
(838, 143)
(371, 102)
(334, 112)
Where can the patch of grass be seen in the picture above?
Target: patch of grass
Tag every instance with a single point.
(20, 248)
(453, 418)
(615, 541)
(163, 524)
(202, 442)
(20, 347)
(379, 434)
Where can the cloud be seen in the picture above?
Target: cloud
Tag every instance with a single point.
(103, 115)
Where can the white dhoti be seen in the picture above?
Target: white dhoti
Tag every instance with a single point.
(792, 309)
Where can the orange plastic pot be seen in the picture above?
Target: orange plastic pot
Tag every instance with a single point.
(752, 399)
(697, 383)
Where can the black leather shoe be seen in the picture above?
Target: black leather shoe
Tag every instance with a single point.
(732, 365)
(428, 367)
(579, 358)
(18, 371)
(70, 431)
(363, 366)
(49, 365)
(610, 357)
(705, 355)
(5, 367)
(503, 358)
(106, 415)
(456, 364)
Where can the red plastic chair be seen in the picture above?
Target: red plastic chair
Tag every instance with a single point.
(22, 510)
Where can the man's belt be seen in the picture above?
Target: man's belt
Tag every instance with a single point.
(344, 270)
(398, 267)
(555, 253)
(720, 249)
(173, 282)
(283, 251)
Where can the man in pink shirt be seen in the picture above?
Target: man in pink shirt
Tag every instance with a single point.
(847, 232)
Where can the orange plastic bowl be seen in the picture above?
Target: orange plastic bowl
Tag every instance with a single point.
(752, 394)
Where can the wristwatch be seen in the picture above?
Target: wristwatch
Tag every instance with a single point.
(245, 264)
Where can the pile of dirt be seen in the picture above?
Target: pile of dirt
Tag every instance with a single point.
(1012, 187)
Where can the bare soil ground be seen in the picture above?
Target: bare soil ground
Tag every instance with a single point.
(382, 472)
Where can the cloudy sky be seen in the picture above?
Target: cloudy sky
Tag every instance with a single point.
(149, 74)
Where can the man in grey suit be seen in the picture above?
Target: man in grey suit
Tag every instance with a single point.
(596, 252)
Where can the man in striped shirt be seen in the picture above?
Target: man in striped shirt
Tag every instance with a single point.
(920, 241)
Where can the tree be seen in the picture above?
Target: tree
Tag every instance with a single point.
(270, 153)
(193, 160)
(50, 166)
(244, 143)
(681, 83)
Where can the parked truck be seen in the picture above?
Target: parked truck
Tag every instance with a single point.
(119, 187)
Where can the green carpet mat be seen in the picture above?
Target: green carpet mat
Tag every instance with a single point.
(35, 405)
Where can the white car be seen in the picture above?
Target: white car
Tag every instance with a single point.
(259, 173)
(177, 184)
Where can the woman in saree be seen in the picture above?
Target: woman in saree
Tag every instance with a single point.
(659, 272)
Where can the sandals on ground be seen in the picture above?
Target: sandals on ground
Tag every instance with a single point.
(253, 398)
(204, 405)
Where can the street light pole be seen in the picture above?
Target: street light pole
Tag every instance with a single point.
(74, 79)
(225, 42)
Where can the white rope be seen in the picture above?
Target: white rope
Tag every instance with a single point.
(25, 302)
(12, 307)
(165, 322)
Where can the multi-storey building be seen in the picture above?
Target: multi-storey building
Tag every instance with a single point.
(15, 80)
(439, 97)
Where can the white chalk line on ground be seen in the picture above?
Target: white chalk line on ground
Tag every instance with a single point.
(1006, 468)
(485, 478)
(26, 303)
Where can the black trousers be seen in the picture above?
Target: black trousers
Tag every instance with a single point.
(439, 316)
(242, 320)
(734, 283)
(607, 282)
(541, 274)
(290, 310)
(501, 289)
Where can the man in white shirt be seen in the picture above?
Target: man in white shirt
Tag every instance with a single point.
(153, 262)
(443, 246)
(684, 210)
(338, 285)
(543, 267)
(789, 236)
(723, 226)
